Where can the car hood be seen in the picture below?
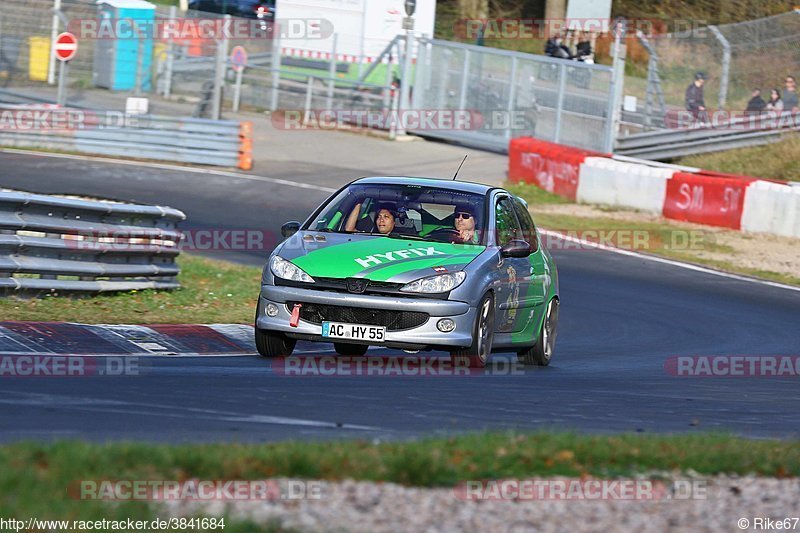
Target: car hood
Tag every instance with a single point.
(377, 258)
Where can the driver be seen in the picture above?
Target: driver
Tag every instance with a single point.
(464, 222)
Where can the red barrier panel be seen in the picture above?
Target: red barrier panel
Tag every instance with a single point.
(552, 167)
(712, 200)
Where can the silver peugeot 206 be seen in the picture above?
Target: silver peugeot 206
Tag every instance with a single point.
(414, 264)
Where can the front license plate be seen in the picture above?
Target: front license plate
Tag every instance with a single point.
(336, 330)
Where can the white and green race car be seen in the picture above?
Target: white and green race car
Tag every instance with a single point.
(414, 264)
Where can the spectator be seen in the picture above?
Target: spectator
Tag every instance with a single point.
(583, 50)
(775, 103)
(695, 101)
(555, 47)
(756, 103)
(790, 95)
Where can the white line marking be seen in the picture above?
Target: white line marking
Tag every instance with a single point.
(163, 166)
(687, 266)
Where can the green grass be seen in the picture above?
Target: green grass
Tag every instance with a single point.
(533, 194)
(212, 292)
(35, 477)
(779, 160)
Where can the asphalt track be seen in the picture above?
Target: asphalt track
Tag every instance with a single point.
(622, 318)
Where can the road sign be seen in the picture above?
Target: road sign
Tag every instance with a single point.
(411, 6)
(66, 46)
(238, 58)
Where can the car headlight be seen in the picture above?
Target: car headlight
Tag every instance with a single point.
(433, 284)
(287, 270)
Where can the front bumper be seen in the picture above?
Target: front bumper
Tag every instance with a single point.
(421, 337)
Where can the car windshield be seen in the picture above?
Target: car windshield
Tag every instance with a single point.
(405, 212)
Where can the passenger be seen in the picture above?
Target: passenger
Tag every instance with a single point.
(385, 220)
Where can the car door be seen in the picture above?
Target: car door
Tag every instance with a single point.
(538, 285)
(515, 272)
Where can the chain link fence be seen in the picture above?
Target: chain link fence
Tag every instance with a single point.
(735, 59)
(515, 94)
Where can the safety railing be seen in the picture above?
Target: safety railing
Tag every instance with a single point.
(56, 244)
(185, 140)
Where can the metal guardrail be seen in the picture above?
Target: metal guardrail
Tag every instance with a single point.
(185, 140)
(50, 243)
(668, 144)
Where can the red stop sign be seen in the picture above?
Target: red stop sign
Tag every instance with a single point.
(66, 46)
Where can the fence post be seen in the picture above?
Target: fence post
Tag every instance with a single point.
(562, 86)
(219, 71)
(276, 66)
(387, 93)
(332, 72)
(51, 70)
(237, 91)
(405, 83)
(170, 57)
(726, 65)
(137, 88)
(614, 109)
(512, 95)
(462, 97)
(309, 91)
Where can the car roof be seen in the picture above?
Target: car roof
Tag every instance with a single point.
(447, 184)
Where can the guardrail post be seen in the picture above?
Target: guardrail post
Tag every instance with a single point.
(562, 85)
(219, 72)
(332, 72)
(614, 109)
(726, 65)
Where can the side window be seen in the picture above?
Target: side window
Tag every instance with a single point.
(526, 222)
(507, 225)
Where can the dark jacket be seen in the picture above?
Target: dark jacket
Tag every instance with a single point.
(553, 49)
(583, 48)
(694, 98)
(790, 100)
(756, 105)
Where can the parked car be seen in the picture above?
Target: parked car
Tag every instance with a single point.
(415, 264)
(258, 9)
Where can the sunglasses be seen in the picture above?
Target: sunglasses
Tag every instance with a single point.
(465, 216)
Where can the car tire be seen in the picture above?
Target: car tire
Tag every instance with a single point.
(541, 353)
(476, 355)
(273, 344)
(343, 348)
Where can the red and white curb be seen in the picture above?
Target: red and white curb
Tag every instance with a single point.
(66, 338)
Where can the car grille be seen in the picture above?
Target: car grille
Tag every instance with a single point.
(392, 320)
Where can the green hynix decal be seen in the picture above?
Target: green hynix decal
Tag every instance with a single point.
(380, 258)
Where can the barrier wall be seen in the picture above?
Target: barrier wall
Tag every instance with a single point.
(679, 193)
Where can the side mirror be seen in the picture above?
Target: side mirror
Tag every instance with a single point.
(516, 248)
(290, 228)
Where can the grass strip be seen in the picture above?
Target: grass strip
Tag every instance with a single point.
(212, 291)
(35, 477)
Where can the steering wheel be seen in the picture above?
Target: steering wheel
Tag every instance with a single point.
(448, 233)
